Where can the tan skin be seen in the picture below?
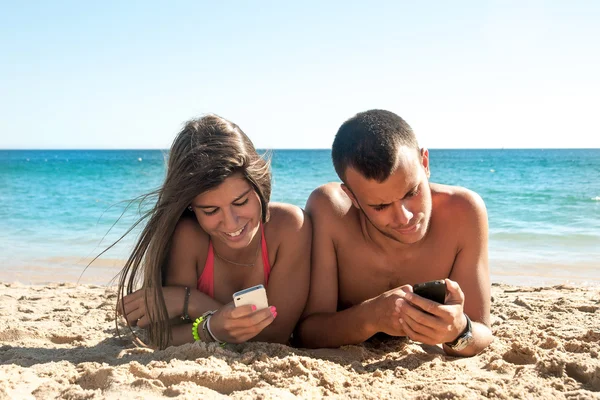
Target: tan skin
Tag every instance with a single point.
(221, 214)
(372, 241)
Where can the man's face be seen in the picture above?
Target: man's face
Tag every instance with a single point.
(399, 207)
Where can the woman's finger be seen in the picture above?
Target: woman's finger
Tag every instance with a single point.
(134, 315)
(133, 296)
(247, 333)
(254, 318)
(242, 311)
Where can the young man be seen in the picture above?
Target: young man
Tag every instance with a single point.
(386, 228)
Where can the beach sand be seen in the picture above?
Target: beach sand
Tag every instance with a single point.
(58, 341)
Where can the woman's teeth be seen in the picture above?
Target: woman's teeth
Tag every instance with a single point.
(237, 233)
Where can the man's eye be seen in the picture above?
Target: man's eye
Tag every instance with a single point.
(242, 203)
(413, 193)
(380, 208)
(211, 212)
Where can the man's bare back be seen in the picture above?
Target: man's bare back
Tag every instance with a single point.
(386, 228)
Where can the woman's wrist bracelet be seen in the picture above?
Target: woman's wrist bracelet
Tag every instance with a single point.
(186, 301)
(196, 332)
(212, 335)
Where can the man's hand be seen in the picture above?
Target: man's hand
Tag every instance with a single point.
(387, 315)
(429, 322)
(239, 324)
(134, 306)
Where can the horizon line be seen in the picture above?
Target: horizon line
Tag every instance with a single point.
(298, 148)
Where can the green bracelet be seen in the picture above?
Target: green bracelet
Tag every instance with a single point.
(197, 323)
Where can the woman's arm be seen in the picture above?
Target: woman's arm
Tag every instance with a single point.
(236, 325)
(288, 285)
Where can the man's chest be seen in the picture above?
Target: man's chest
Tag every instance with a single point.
(364, 273)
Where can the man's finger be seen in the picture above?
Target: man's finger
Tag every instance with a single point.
(455, 293)
(420, 317)
(418, 327)
(412, 334)
(424, 304)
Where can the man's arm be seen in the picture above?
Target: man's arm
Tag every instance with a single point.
(471, 271)
(322, 325)
(468, 286)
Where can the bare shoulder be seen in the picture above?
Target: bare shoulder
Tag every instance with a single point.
(328, 201)
(287, 218)
(289, 230)
(462, 209)
(457, 201)
(189, 235)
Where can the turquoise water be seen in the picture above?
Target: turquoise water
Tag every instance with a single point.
(57, 207)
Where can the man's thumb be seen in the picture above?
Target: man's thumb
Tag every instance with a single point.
(455, 293)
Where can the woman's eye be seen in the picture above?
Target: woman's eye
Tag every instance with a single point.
(380, 208)
(242, 203)
(211, 212)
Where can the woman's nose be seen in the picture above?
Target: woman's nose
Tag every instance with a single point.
(230, 221)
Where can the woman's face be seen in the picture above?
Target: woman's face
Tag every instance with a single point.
(231, 212)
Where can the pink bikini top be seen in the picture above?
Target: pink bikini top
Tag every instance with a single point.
(206, 282)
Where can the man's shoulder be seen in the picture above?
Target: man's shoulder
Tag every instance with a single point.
(457, 201)
(330, 200)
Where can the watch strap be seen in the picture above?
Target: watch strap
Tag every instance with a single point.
(466, 332)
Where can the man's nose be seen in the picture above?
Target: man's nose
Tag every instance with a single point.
(402, 215)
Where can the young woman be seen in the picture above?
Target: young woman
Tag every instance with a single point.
(213, 232)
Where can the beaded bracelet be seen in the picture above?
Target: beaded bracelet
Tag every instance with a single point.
(197, 322)
(195, 328)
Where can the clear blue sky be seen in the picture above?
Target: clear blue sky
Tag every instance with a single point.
(465, 74)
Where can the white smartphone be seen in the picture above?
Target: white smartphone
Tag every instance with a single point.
(255, 295)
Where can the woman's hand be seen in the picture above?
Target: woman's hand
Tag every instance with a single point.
(239, 324)
(134, 308)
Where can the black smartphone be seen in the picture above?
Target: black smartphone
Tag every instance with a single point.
(432, 290)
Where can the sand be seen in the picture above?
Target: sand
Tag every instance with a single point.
(58, 341)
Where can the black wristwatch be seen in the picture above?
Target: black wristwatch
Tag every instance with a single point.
(464, 339)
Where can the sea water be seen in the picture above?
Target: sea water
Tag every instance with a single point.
(59, 208)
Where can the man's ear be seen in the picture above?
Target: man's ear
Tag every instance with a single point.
(425, 161)
(350, 195)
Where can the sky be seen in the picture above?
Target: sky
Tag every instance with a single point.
(463, 74)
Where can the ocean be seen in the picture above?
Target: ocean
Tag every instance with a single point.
(59, 208)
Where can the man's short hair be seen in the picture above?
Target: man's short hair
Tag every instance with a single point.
(369, 142)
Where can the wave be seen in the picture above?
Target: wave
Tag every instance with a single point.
(572, 239)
